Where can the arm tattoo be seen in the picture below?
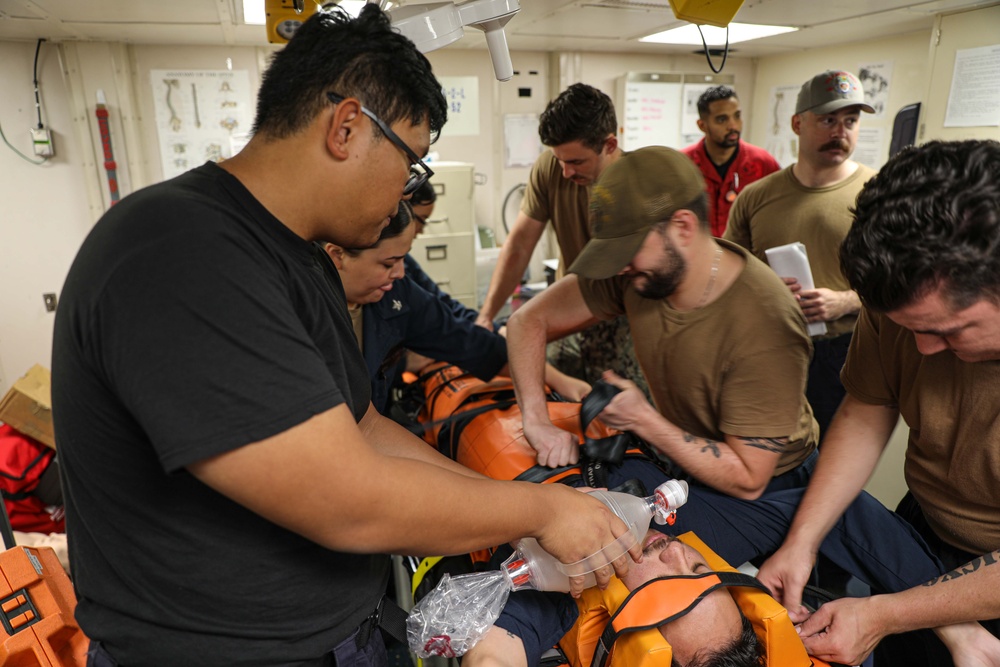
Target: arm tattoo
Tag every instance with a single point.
(970, 567)
(710, 445)
(776, 445)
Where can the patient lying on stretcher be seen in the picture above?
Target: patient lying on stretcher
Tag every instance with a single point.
(709, 627)
(868, 541)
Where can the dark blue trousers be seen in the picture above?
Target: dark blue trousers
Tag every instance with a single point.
(824, 390)
(346, 654)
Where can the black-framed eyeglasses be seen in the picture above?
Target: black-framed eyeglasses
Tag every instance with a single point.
(413, 214)
(419, 172)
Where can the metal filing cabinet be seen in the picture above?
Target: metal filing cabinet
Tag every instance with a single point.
(446, 250)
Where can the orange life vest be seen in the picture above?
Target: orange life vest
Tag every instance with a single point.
(648, 648)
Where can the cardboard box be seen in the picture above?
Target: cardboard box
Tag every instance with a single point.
(27, 407)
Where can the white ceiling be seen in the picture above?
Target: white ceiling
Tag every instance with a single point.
(541, 25)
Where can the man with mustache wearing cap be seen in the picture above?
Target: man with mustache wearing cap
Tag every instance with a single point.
(810, 202)
(718, 335)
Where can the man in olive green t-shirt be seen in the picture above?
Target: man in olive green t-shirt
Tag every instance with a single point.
(923, 253)
(717, 334)
(809, 202)
(580, 129)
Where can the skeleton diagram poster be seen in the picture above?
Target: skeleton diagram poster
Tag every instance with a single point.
(782, 142)
(197, 111)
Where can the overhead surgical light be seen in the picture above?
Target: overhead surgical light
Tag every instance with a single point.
(429, 26)
(434, 25)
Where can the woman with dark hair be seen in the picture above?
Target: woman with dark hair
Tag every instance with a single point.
(392, 314)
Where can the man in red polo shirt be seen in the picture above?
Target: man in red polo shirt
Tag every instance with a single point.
(727, 162)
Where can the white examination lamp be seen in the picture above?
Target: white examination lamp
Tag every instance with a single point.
(438, 24)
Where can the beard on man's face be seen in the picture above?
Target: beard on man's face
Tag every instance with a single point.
(663, 282)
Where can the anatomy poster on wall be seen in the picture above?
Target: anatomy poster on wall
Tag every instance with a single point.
(876, 79)
(197, 112)
(782, 143)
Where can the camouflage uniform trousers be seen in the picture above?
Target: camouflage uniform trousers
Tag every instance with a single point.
(605, 346)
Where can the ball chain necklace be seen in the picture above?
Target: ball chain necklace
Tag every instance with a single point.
(711, 278)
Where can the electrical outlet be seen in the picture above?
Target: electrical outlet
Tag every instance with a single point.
(50, 301)
(41, 138)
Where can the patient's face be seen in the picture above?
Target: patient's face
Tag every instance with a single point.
(713, 622)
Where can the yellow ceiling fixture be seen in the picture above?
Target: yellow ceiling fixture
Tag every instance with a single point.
(285, 16)
(706, 12)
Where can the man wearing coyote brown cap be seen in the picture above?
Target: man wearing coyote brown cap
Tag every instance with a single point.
(809, 202)
(691, 301)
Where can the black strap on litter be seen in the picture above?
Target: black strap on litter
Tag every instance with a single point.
(393, 620)
(6, 531)
(389, 617)
(597, 453)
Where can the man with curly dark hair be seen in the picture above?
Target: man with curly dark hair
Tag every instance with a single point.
(923, 255)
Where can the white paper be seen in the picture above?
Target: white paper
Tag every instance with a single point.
(197, 112)
(462, 94)
(791, 261)
(521, 145)
(782, 143)
(974, 100)
(876, 79)
(870, 149)
(689, 120)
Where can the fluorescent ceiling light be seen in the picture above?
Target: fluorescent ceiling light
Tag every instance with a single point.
(738, 32)
(254, 13)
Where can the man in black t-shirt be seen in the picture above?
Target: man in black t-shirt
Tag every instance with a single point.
(228, 485)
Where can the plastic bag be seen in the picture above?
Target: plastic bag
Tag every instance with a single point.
(454, 616)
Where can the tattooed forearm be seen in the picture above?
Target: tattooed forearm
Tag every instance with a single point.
(768, 444)
(709, 446)
(970, 567)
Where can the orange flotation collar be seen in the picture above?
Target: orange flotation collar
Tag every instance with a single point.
(620, 629)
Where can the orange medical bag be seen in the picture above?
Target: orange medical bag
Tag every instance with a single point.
(36, 611)
(37, 605)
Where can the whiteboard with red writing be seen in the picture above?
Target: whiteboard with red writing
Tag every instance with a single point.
(650, 112)
(651, 107)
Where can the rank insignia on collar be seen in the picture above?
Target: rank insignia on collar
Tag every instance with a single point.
(397, 305)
